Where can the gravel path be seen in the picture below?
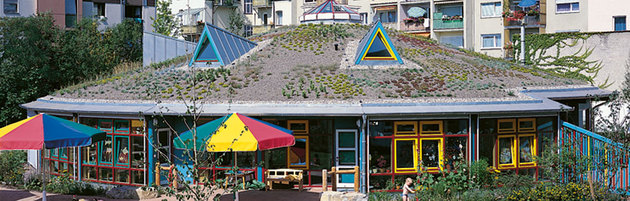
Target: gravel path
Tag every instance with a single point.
(12, 194)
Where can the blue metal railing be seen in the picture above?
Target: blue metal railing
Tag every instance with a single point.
(608, 159)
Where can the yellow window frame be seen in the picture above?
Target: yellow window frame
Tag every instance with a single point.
(297, 132)
(415, 156)
(527, 130)
(533, 147)
(425, 133)
(506, 130)
(405, 133)
(512, 150)
(381, 37)
(440, 154)
(306, 165)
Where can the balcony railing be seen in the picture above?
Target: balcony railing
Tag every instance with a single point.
(447, 22)
(529, 21)
(191, 29)
(415, 25)
(262, 3)
(230, 3)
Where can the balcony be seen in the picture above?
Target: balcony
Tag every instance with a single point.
(415, 25)
(532, 16)
(226, 3)
(191, 29)
(262, 3)
(447, 22)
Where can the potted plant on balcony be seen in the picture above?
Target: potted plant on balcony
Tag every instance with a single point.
(508, 45)
(533, 12)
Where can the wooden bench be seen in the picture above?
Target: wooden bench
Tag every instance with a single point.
(284, 176)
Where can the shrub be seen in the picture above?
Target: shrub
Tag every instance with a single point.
(65, 185)
(12, 166)
(569, 191)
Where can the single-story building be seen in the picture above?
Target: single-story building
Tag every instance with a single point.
(429, 107)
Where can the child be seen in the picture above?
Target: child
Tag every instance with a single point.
(407, 189)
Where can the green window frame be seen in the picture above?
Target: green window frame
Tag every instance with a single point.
(117, 147)
(103, 149)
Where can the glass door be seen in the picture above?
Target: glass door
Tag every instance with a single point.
(346, 146)
(164, 139)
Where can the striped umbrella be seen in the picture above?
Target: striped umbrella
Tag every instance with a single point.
(43, 131)
(236, 132)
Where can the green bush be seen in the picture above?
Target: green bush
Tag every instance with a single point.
(65, 185)
(38, 57)
(12, 166)
(569, 191)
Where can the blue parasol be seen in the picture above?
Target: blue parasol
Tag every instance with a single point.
(416, 12)
(527, 3)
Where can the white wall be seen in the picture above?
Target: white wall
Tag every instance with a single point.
(565, 22)
(113, 16)
(148, 12)
(25, 8)
(364, 7)
(487, 25)
(287, 12)
(601, 13)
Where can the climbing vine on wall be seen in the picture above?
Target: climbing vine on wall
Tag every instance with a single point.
(554, 53)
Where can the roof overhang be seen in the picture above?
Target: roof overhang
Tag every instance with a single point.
(542, 100)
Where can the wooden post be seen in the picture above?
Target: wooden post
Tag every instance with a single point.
(175, 177)
(157, 174)
(267, 180)
(356, 178)
(333, 178)
(324, 180)
(301, 178)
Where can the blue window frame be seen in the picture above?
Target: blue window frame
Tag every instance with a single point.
(620, 23)
(121, 126)
(106, 151)
(491, 41)
(121, 151)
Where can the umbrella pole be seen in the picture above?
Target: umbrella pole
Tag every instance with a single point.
(235, 178)
(43, 173)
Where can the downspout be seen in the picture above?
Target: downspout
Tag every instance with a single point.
(363, 149)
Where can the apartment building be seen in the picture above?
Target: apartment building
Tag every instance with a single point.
(67, 13)
(18, 8)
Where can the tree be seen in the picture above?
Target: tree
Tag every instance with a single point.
(37, 57)
(165, 23)
(236, 23)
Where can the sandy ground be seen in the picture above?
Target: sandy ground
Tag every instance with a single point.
(11, 194)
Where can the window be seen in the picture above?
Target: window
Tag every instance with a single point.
(431, 127)
(99, 9)
(279, 18)
(298, 126)
(567, 7)
(432, 154)
(309, 1)
(507, 125)
(247, 8)
(364, 18)
(491, 9)
(10, 6)
(507, 151)
(133, 12)
(620, 23)
(71, 13)
(405, 128)
(387, 16)
(527, 150)
(527, 125)
(491, 41)
(265, 18)
(248, 30)
(297, 154)
(120, 159)
(405, 155)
